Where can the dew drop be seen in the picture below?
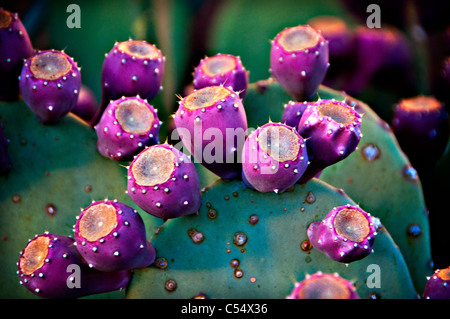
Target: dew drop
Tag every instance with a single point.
(308, 259)
(239, 239)
(310, 197)
(235, 263)
(302, 209)
(370, 152)
(235, 194)
(208, 205)
(238, 273)
(410, 173)
(161, 263)
(226, 197)
(374, 295)
(414, 231)
(253, 219)
(196, 236)
(51, 209)
(170, 285)
(88, 188)
(200, 296)
(253, 279)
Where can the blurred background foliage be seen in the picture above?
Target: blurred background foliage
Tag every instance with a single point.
(188, 30)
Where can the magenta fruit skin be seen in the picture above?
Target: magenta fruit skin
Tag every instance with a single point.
(266, 174)
(324, 238)
(437, 287)
(225, 115)
(327, 141)
(376, 49)
(300, 72)
(236, 78)
(178, 196)
(293, 112)
(15, 46)
(117, 144)
(124, 248)
(50, 100)
(86, 105)
(427, 129)
(51, 280)
(5, 160)
(124, 74)
(295, 294)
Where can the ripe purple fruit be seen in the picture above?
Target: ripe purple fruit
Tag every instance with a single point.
(421, 122)
(274, 157)
(15, 46)
(376, 49)
(299, 60)
(126, 127)
(345, 235)
(86, 105)
(341, 46)
(50, 83)
(164, 182)
(131, 68)
(111, 236)
(335, 30)
(437, 286)
(50, 266)
(332, 130)
(222, 69)
(324, 286)
(293, 112)
(212, 125)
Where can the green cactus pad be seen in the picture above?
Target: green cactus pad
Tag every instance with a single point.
(56, 170)
(246, 244)
(377, 175)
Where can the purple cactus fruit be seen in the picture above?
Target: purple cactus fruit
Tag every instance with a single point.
(212, 125)
(341, 46)
(5, 161)
(86, 105)
(378, 49)
(50, 83)
(15, 46)
(421, 122)
(225, 69)
(299, 60)
(437, 286)
(345, 235)
(111, 236)
(274, 157)
(324, 286)
(126, 127)
(163, 182)
(293, 112)
(131, 68)
(50, 266)
(332, 130)
(335, 30)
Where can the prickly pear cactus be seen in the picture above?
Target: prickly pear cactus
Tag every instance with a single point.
(377, 175)
(56, 170)
(247, 244)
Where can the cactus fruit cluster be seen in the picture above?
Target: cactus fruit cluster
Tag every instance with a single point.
(267, 189)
